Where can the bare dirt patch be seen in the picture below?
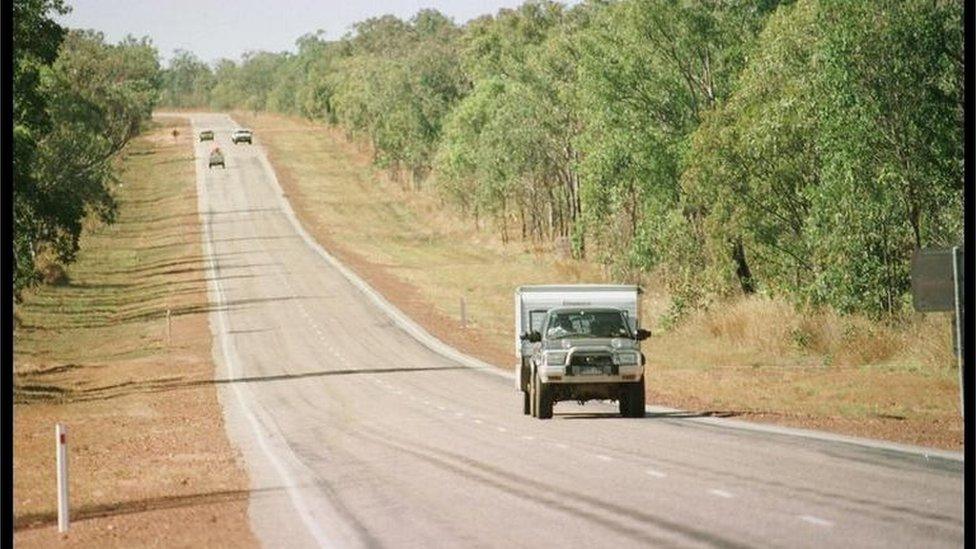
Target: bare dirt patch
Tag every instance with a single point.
(757, 360)
(122, 355)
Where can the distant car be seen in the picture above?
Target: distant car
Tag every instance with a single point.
(216, 159)
(206, 135)
(240, 136)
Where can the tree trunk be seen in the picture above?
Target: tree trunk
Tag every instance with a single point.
(742, 271)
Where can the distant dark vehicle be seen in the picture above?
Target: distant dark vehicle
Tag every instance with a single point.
(240, 136)
(206, 135)
(217, 159)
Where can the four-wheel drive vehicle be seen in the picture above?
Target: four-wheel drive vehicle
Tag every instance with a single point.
(240, 136)
(216, 159)
(579, 342)
(207, 135)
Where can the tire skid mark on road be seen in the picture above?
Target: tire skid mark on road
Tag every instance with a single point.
(770, 486)
(532, 489)
(876, 507)
(562, 446)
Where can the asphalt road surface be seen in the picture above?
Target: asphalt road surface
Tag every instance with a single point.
(356, 435)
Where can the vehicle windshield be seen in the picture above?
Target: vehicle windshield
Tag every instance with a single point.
(587, 324)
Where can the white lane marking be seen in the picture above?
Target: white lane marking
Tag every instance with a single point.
(427, 402)
(478, 421)
(720, 493)
(603, 457)
(501, 429)
(528, 437)
(441, 408)
(656, 474)
(560, 445)
(816, 520)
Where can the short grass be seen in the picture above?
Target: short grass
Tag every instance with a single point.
(120, 351)
(754, 357)
(129, 274)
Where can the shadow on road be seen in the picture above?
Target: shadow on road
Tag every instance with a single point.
(29, 389)
(650, 415)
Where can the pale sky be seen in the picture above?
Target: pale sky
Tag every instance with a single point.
(214, 29)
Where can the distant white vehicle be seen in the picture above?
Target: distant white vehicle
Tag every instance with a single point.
(579, 342)
(241, 135)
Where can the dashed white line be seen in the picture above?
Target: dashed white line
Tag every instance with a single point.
(528, 437)
(476, 420)
(816, 520)
(603, 457)
(656, 474)
(720, 493)
(560, 445)
(501, 429)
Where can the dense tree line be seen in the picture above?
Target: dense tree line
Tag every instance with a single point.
(796, 148)
(77, 102)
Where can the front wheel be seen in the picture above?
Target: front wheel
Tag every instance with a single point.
(542, 399)
(633, 399)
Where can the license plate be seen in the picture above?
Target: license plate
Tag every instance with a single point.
(590, 370)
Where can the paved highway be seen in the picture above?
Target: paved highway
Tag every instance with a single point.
(356, 435)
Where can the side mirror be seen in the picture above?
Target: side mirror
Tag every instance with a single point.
(642, 334)
(534, 337)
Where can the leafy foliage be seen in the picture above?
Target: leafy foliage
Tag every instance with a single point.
(795, 148)
(78, 101)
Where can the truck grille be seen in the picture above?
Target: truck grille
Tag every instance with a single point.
(588, 363)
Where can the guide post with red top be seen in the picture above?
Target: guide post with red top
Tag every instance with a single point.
(61, 440)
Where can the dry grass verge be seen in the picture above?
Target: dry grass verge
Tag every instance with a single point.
(121, 353)
(754, 358)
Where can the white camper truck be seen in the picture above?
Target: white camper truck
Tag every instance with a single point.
(579, 342)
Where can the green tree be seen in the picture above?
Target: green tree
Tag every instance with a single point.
(95, 97)
(186, 82)
(36, 38)
(753, 163)
(892, 146)
(650, 70)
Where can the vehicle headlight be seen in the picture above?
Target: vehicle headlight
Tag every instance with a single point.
(627, 359)
(557, 358)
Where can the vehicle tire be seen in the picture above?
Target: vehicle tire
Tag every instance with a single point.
(543, 399)
(633, 400)
(526, 403)
(533, 411)
(624, 402)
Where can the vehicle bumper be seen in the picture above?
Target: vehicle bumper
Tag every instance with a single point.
(557, 375)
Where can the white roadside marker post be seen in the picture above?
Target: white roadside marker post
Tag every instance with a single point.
(61, 445)
(958, 320)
